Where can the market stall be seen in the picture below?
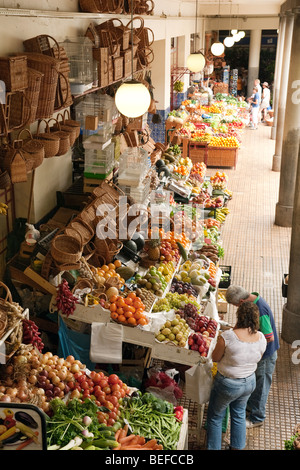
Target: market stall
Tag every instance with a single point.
(138, 263)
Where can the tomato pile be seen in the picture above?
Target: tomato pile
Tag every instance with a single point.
(107, 390)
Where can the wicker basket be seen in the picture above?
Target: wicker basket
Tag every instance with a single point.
(65, 250)
(118, 68)
(13, 72)
(5, 180)
(70, 130)
(64, 139)
(17, 105)
(89, 6)
(14, 162)
(85, 230)
(34, 149)
(107, 249)
(32, 93)
(4, 307)
(70, 122)
(49, 67)
(49, 140)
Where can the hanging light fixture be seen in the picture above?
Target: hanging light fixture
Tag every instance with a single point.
(229, 41)
(196, 60)
(218, 47)
(132, 97)
(234, 31)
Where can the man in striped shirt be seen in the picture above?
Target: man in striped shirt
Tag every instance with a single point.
(256, 405)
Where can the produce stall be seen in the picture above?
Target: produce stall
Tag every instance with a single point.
(211, 134)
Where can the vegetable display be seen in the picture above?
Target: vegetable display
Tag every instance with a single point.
(153, 417)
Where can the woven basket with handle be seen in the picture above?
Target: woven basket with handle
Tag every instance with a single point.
(65, 250)
(64, 137)
(34, 148)
(49, 140)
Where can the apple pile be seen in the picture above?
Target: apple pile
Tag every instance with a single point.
(206, 326)
(214, 202)
(200, 343)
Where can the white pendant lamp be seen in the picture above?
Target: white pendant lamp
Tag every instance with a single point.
(196, 60)
(228, 41)
(234, 31)
(241, 34)
(132, 97)
(218, 48)
(236, 37)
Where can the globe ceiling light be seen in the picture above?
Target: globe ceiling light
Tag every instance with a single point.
(242, 34)
(132, 99)
(228, 41)
(234, 31)
(236, 37)
(195, 62)
(217, 48)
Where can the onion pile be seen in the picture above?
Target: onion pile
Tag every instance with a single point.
(35, 378)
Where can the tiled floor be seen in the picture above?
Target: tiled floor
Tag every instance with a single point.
(258, 252)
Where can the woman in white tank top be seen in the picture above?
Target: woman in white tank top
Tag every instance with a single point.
(237, 353)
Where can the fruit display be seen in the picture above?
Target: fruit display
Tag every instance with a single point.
(128, 310)
(153, 280)
(219, 180)
(182, 287)
(221, 214)
(173, 301)
(228, 142)
(190, 313)
(205, 329)
(167, 269)
(194, 271)
(148, 298)
(176, 331)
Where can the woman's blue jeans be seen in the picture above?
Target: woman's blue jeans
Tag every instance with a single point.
(235, 394)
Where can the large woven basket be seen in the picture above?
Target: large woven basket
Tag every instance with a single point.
(13, 72)
(70, 130)
(4, 307)
(64, 138)
(5, 180)
(65, 250)
(49, 67)
(14, 162)
(34, 149)
(50, 141)
(107, 248)
(71, 122)
(85, 230)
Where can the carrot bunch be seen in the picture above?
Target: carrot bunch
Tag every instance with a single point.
(134, 442)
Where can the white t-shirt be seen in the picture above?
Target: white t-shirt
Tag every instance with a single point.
(240, 358)
(266, 97)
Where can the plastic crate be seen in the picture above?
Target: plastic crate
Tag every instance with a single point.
(133, 166)
(226, 281)
(138, 193)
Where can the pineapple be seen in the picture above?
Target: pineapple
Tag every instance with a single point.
(154, 249)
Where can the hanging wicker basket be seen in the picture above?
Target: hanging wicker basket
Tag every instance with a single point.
(64, 138)
(66, 250)
(50, 141)
(34, 149)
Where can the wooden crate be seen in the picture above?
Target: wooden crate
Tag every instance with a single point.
(213, 156)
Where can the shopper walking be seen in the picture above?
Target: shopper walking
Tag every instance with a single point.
(265, 102)
(237, 295)
(259, 88)
(254, 102)
(237, 353)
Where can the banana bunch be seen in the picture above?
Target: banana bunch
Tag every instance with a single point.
(221, 214)
(3, 208)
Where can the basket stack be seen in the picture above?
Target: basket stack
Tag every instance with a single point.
(140, 7)
(116, 53)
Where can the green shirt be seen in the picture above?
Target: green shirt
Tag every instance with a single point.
(264, 320)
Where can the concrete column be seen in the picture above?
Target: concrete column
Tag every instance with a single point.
(254, 56)
(291, 310)
(291, 137)
(161, 72)
(184, 46)
(283, 91)
(277, 75)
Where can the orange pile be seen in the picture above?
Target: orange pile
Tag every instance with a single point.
(109, 270)
(128, 310)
